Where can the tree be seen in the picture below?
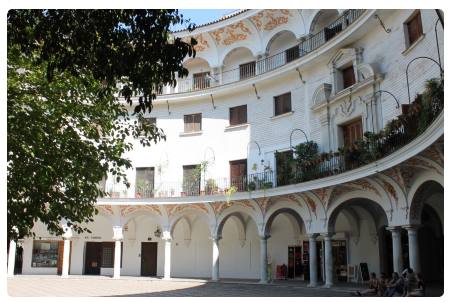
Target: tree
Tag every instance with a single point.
(67, 127)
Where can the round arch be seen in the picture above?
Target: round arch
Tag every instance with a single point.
(321, 19)
(429, 192)
(293, 216)
(240, 53)
(236, 210)
(280, 40)
(183, 215)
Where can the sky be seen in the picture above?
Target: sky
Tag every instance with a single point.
(201, 16)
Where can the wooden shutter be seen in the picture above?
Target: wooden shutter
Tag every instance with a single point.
(187, 123)
(352, 132)
(414, 27)
(283, 103)
(197, 122)
(238, 115)
(348, 76)
(292, 53)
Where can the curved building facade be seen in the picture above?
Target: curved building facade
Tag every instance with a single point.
(227, 195)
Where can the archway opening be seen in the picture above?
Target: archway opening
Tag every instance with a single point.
(287, 247)
(323, 19)
(238, 64)
(360, 239)
(239, 247)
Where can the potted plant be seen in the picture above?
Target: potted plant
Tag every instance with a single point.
(211, 186)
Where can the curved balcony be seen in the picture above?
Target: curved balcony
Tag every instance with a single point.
(371, 155)
(271, 63)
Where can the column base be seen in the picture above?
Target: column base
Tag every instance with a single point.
(65, 276)
(327, 286)
(167, 278)
(116, 277)
(263, 282)
(312, 285)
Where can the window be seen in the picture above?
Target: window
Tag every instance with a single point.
(284, 167)
(414, 28)
(292, 53)
(108, 251)
(191, 180)
(45, 254)
(201, 80)
(352, 132)
(193, 122)
(348, 77)
(145, 182)
(107, 254)
(247, 70)
(282, 103)
(238, 173)
(238, 115)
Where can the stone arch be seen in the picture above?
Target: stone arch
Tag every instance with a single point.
(321, 19)
(227, 55)
(233, 210)
(143, 212)
(426, 191)
(293, 216)
(184, 222)
(277, 35)
(374, 207)
(179, 216)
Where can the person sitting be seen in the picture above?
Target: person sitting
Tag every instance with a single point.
(410, 281)
(382, 281)
(395, 286)
(420, 290)
(373, 287)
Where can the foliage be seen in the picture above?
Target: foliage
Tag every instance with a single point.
(229, 193)
(306, 152)
(67, 128)
(210, 186)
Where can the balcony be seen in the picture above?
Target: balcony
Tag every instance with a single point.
(400, 132)
(250, 70)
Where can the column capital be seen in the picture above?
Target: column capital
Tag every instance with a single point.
(411, 227)
(166, 236)
(264, 237)
(312, 236)
(117, 233)
(327, 235)
(394, 229)
(67, 232)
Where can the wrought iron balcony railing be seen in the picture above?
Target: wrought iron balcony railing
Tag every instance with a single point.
(376, 146)
(273, 62)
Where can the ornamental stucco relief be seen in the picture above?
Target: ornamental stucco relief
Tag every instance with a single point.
(202, 43)
(231, 34)
(271, 18)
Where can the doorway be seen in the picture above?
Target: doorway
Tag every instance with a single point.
(295, 267)
(149, 257)
(93, 258)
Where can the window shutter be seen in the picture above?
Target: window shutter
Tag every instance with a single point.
(198, 122)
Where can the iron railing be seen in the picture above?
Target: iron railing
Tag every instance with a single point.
(334, 163)
(273, 62)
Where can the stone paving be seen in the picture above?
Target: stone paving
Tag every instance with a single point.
(26, 286)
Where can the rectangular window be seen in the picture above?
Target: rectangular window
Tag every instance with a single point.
(292, 53)
(191, 180)
(414, 28)
(145, 182)
(201, 80)
(193, 122)
(352, 132)
(348, 77)
(238, 174)
(247, 70)
(45, 254)
(238, 115)
(282, 103)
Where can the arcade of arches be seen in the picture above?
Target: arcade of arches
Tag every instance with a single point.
(387, 221)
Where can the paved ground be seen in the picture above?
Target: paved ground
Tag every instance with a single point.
(145, 287)
(33, 286)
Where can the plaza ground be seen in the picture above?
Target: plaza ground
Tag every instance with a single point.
(32, 286)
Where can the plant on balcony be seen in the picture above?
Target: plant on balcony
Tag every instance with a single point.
(229, 193)
(210, 186)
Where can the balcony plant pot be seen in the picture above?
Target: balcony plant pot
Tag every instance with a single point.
(138, 195)
(251, 186)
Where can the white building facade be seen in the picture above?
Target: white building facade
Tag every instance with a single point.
(263, 82)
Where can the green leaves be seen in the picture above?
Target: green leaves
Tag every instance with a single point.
(66, 127)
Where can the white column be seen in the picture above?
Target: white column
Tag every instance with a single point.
(413, 244)
(396, 249)
(66, 253)
(263, 259)
(328, 260)
(118, 236)
(215, 258)
(167, 254)
(11, 258)
(312, 260)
